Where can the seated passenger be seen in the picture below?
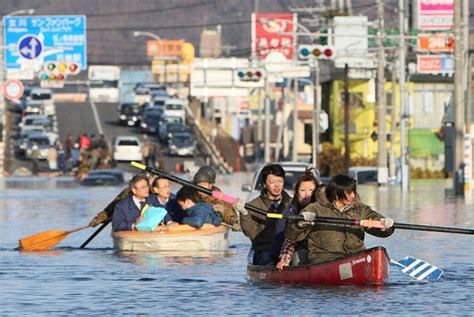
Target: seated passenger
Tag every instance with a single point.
(127, 212)
(327, 242)
(163, 197)
(206, 177)
(304, 195)
(196, 213)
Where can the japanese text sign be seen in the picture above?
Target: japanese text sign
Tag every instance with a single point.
(273, 32)
(63, 38)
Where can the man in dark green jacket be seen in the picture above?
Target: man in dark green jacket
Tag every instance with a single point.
(262, 231)
(327, 242)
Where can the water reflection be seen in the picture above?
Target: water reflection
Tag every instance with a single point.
(173, 258)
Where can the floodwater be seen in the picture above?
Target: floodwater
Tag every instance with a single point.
(99, 281)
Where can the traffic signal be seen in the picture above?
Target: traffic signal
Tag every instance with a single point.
(250, 74)
(323, 120)
(316, 51)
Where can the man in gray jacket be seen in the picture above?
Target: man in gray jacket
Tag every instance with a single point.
(266, 234)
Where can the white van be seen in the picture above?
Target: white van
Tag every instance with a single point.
(175, 108)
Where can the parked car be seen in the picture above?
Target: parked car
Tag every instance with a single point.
(166, 125)
(42, 141)
(105, 177)
(127, 148)
(174, 128)
(364, 174)
(39, 96)
(150, 122)
(293, 171)
(176, 108)
(130, 114)
(182, 144)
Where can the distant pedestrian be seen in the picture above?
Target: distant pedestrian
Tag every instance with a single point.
(35, 159)
(75, 155)
(62, 159)
(52, 158)
(85, 141)
(149, 155)
(69, 144)
(102, 143)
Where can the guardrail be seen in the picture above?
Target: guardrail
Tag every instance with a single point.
(205, 143)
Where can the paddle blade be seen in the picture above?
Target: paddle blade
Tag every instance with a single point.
(418, 269)
(42, 241)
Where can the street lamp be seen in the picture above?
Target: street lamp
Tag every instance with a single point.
(157, 38)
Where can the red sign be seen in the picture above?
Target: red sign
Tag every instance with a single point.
(273, 32)
(435, 42)
(12, 89)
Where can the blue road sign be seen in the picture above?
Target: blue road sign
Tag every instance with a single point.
(63, 38)
(29, 47)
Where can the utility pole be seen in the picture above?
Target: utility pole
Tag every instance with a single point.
(347, 146)
(382, 105)
(404, 159)
(458, 101)
(267, 121)
(316, 110)
(393, 125)
(294, 152)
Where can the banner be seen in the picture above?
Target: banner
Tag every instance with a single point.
(273, 32)
(435, 14)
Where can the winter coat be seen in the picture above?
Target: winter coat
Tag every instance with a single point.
(126, 213)
(200, 214)
(266, 233)
(327, 242)
(172, 207)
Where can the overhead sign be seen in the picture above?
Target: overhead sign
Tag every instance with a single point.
(351, 40)
(273, 32)
(30, 47)
(13, 89)
(435, 64)
(435, 42)
(435, 14)
(60, 38)
(165, 48)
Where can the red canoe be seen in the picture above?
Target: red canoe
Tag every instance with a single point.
(369, 267)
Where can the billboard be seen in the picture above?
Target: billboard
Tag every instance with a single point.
(439, 42)
(435, 64)
(63, 38)
(435, 14)
(273, 32)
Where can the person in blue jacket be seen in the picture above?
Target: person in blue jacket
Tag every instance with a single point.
(127, 212)
(196, 213)
(161, 192)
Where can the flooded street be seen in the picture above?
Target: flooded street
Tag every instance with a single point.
(99, 281)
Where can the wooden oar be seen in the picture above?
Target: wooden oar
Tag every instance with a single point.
(45, 240)
(353, 222)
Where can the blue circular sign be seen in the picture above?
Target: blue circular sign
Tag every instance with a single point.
(30, 46)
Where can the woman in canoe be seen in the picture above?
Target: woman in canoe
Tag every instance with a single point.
(327, 242)
(304, 194)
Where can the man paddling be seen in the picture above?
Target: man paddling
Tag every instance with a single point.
(327, 242)
(260, 229)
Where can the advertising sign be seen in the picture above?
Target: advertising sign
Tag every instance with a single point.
(170, 48)
(435, 64)
(435, 42)
(61, 38)
(273, 32)
(435, 14)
